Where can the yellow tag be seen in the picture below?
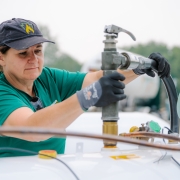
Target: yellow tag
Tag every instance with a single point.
(125, 156)
(47, 154)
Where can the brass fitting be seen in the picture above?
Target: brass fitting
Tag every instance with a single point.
(110, 128)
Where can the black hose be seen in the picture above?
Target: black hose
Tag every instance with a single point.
(170, 88)
(173, 98)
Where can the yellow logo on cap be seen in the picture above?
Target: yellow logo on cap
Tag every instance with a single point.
(27, 27)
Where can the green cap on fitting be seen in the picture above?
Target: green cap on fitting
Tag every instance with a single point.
(154, 126)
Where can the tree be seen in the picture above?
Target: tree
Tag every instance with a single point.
(67, 62)
(54, 57)
(148, 48)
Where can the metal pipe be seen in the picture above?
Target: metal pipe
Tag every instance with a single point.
(151, 134)
(111, 59)
(110, 112)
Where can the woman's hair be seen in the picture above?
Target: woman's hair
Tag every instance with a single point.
(3, 50)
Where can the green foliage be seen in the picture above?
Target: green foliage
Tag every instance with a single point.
(54, 57)
(65, 61)
(171, 54)
(174, 59)
(148, 48)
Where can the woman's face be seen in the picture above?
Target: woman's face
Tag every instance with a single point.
(24, 64)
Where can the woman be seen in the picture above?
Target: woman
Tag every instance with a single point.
(33, 96)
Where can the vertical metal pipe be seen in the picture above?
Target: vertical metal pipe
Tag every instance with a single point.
(110, 112)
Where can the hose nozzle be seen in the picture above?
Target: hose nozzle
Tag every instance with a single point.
(134, 61)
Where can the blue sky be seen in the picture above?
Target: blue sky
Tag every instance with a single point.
(78, 25)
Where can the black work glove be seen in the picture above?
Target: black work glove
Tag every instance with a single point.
(107, 90)
(163, 67)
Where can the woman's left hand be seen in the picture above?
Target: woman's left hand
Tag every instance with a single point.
(163, 67)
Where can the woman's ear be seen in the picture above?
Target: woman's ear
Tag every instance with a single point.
(1, 59)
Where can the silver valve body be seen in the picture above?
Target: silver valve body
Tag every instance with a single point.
(132, 61)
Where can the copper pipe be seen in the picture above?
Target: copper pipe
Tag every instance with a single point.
(62, 133)
(150, 134)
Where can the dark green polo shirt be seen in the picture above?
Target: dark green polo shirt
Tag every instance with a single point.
(52, 85)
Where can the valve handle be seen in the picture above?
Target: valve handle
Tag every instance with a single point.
(112, 29)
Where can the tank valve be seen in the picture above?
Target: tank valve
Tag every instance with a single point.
(111, 60)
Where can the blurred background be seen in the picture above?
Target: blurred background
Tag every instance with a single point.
(77, 28)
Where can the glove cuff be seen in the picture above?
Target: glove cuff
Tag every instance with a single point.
(89, 96)
(138, 71)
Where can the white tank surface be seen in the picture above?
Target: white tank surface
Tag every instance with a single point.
(90, 122)
(140, 164)
(144, 87)
(88, 160)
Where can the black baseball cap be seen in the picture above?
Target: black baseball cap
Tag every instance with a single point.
(20, 34)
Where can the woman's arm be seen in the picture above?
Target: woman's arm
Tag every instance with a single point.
(60, 116)
(95, 76)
